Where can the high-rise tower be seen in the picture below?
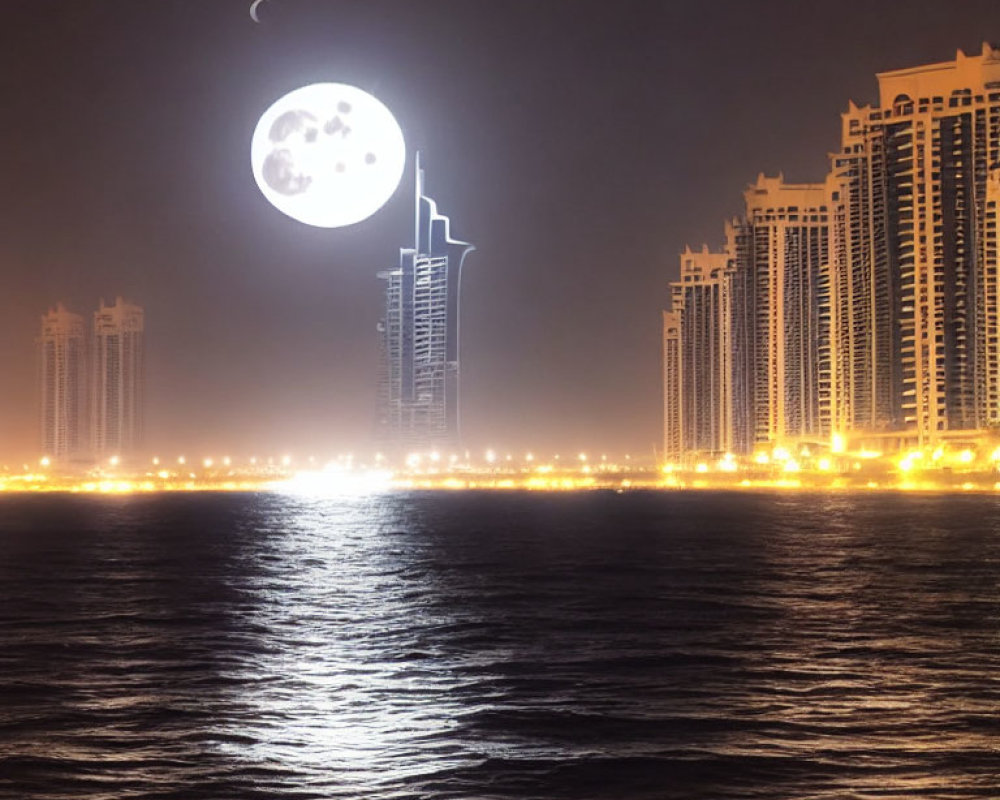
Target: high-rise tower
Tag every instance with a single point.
(782, 248)
(419, 335)
(916, 274)
(698, 400)
(869, 306)
(673, 437)
(63, 395)
(117, 383)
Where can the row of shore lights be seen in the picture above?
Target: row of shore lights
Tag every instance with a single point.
(413, 460)
(115, 461)
(782, 458)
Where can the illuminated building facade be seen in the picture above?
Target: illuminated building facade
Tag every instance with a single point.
(63, 380)
(419, 336)
(988, 362)
(867, 306)
(698, 357)
(916, 280)
(782, 255)
(673, 440)
(117, 382)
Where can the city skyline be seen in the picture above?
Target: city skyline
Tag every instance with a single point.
(90, 393)
(325, 477)
(861, 307)
(578, 168)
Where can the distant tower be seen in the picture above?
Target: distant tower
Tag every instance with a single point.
(782, 252)
(673, 433)
(419, 335)
(698, 354)
(116, 421)
(62, 370)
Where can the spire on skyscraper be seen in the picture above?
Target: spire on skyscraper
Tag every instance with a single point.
(419, 334)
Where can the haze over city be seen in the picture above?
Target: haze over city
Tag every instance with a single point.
(499, 398)
(580, 146)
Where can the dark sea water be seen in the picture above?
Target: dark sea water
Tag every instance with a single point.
(509, 645)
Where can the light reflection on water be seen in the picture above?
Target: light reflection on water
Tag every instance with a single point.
(344, 690)
(484, 645)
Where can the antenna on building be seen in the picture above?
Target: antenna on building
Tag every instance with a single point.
(418, 190)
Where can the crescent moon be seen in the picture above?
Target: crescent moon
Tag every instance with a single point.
(253, 10)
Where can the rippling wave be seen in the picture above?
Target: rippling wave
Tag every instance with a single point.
(592, 645)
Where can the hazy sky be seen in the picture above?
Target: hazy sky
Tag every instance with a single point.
(579, 145)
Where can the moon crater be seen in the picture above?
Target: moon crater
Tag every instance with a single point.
(328, 154)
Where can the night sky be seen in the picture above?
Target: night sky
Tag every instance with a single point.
(579, 145)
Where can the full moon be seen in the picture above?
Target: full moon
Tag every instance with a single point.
(328, 155)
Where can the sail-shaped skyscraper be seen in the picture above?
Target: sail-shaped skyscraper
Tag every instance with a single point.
(419, 336)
